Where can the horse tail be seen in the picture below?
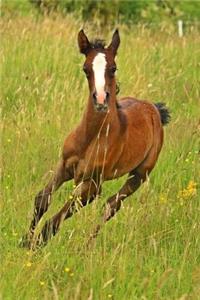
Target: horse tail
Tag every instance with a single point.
(164, 113)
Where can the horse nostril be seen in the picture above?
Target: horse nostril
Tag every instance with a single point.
(107, 96)
(95, 96)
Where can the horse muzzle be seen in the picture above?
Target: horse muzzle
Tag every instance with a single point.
(101, 104)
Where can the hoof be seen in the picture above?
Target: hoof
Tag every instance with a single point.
(39, 242)
(32, 243)
(25, 241)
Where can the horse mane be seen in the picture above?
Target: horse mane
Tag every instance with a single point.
(117, 87)
(117, 92)
(98, 44)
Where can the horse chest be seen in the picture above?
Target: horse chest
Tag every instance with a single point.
(99, 158)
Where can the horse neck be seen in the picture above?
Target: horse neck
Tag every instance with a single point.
(97, 122)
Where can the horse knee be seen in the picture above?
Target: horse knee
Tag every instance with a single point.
(86, 191)
(134, 177)
(41, 202)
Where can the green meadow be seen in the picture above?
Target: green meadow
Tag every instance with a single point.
(151, 248)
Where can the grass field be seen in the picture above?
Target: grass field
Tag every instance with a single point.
(151, 249)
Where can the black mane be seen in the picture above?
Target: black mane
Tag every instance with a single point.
(98, 44)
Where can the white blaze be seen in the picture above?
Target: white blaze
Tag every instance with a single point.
(99, 66)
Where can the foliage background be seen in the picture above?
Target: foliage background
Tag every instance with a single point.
(110, 12)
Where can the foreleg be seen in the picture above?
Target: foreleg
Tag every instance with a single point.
(43, 199)
(85, 193)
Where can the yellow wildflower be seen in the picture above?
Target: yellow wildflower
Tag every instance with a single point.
(28, 264)
(192, 186)
(189, 191)
(109, 296)
(42, 282)
(67, 270)
(163, 199)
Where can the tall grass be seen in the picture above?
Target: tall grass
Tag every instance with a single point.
(150, 250)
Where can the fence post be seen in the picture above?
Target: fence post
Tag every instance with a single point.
(180, 28)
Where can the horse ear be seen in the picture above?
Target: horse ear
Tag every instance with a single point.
(83, 42)
(115, 42)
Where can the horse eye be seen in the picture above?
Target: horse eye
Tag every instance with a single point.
(84, 69)
(113, 70)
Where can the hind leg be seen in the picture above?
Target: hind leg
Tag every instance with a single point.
(133, 182)
(113, 203)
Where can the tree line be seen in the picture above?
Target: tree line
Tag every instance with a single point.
(123, 11)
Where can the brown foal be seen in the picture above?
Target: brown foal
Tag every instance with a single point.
(112, 139)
